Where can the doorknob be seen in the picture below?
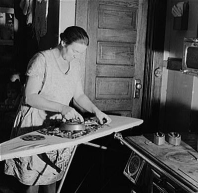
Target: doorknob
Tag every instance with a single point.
(137, 88)
(158, 72)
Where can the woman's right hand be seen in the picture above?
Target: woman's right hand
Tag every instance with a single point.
(70, 113)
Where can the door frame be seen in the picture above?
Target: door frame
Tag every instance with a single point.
(154, 61)
(156, 22)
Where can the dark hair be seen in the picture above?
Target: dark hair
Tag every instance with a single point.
(75, 34)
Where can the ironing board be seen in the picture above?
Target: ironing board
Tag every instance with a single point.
(17, 147)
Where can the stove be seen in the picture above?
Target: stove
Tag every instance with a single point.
(174, 168)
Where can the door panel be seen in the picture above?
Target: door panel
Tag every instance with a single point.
(116, 54)
(114, 71)
(116, 16)
(119, 53)
(113, 88)
(120, 35)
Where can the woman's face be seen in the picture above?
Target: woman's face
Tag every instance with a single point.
(73, 51)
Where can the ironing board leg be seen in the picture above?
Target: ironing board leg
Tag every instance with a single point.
(64, 176)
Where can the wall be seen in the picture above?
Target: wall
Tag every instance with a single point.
(174, 38)
(179, 92)
(67, 14)
(67, 17)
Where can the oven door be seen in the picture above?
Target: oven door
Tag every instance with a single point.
(161, 184)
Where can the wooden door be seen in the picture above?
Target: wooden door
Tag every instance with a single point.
(116, 54)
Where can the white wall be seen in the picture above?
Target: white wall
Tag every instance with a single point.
(67, 14)
(67, 17)
(174, 38)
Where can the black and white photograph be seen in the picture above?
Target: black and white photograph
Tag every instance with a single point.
(98, 96)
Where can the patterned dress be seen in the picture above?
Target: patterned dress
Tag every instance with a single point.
(48, 167)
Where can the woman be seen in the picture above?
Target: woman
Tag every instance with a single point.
(53, 80)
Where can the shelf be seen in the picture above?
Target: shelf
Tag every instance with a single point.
(6, 26)
(7, 10)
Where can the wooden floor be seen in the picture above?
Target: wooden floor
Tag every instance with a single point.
(93, 170)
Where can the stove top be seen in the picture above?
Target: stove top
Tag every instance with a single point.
(181, 159)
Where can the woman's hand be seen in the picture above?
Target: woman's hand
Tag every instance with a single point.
(70, 113)
(103, 118)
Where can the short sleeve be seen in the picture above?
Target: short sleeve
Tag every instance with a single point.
(36, 66)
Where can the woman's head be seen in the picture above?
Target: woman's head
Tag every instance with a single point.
(74, 42)
(74, 34)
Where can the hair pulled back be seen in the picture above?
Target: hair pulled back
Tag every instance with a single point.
(74, 34)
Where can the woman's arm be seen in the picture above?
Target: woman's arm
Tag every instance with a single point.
(36, 100)
(86, 104)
